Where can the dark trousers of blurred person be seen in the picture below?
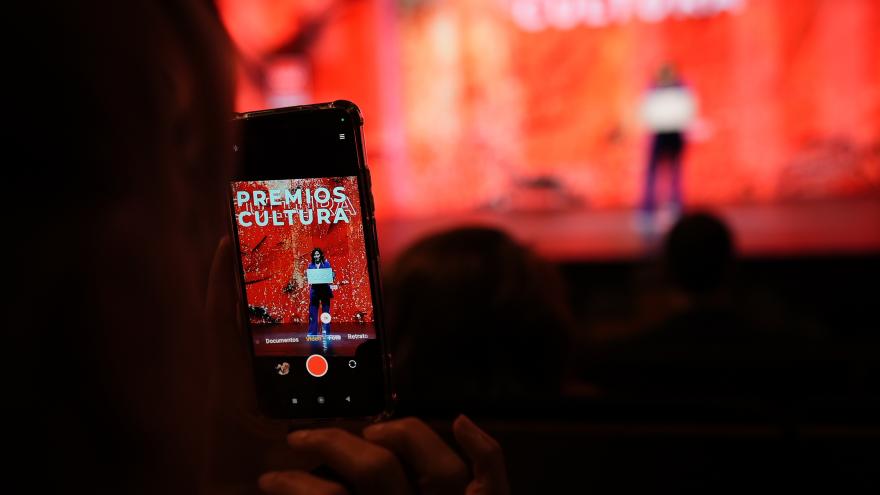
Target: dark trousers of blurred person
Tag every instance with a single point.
(668, 148)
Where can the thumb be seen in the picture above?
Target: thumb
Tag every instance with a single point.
(487, 459)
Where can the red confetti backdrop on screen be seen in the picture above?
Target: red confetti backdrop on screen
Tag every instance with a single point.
(275, 257)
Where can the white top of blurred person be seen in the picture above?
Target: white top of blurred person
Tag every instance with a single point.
(669, 106)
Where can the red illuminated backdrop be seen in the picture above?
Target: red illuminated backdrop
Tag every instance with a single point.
(467, 99)
(275, 257)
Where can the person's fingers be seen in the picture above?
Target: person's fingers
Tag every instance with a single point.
(370, 468)
(487, 459)
(298, 483)
(437, 468)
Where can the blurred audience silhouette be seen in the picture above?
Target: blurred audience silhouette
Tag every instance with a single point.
(699, 253)
(476, 321)
(708, 337)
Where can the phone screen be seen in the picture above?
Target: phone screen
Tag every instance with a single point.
(304, 229)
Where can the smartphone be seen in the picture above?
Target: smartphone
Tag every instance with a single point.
(307, 260)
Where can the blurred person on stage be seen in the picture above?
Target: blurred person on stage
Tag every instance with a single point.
(667, 110)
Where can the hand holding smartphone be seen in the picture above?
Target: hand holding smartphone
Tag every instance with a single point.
(302, 199)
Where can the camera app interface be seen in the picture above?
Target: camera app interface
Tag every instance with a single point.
(304, 264)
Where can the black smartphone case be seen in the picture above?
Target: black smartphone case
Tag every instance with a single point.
(372, 247)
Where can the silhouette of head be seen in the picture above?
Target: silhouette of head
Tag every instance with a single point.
(473, 317)
(137, 151)
(698, 252)
(667, 75)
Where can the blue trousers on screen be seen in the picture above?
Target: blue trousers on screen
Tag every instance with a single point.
(315, 303)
